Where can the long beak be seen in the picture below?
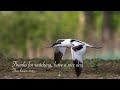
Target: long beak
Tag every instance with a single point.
(48, 47)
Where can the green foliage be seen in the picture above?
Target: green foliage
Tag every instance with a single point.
(17, 27)
(116, 19)
(98, 20)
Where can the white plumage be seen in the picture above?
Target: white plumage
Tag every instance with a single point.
(78, 49)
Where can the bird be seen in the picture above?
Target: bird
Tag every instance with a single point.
(78, 49)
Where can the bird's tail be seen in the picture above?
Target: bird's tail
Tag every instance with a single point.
(91, 46)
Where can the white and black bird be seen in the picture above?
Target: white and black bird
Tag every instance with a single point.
(78, 49)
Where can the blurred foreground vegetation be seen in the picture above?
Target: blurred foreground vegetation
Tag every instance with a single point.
(25, 33)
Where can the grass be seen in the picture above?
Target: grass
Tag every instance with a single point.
(93, 68)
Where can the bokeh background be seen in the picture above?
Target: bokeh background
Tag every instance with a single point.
(26, 33)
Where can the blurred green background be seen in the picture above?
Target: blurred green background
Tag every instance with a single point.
(26, 33)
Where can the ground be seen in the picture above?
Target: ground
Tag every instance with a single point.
(93, 69)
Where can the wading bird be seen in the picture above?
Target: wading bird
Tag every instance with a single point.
(78, 49)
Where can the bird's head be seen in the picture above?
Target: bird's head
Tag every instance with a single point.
(56, 44)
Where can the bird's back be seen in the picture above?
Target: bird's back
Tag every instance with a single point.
(65, 42)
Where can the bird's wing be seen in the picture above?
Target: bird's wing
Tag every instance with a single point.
(77, 52)
(78, 68)
(58, 54)
(76, 43)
